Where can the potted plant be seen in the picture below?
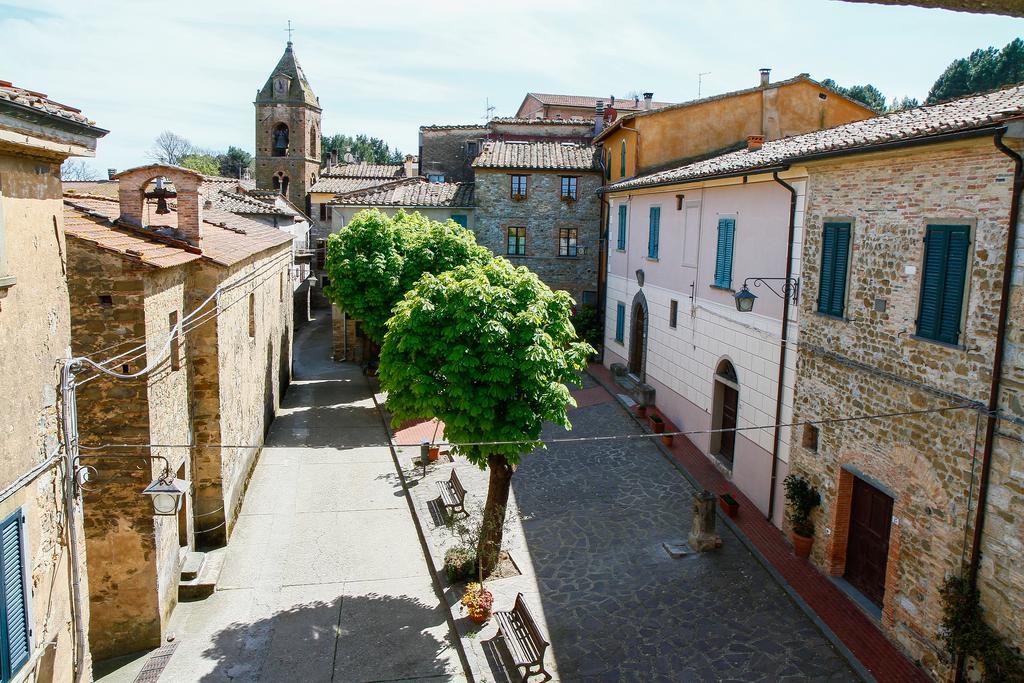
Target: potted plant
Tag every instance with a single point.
(666, 439)
(729, 505)
(641, 410)
(657, 424)
(478, 602)
(433, 453)
(802, 499)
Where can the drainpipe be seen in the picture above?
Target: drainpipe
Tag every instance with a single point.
(602, 259)
(997, 362)
(777, 433)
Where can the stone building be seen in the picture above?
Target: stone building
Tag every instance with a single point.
(287, 132)
(192, 305)
(547, 106)
(537, 205)
(346, 178)
(46, 616)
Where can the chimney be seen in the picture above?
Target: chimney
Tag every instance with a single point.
(598, 117)
(334, 157)
(611, 103)
(411, 166)
(765, 73)
(111, 172)
(648, 98)
(754, 142)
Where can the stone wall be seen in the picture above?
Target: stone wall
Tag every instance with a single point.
(34, 334)
(444, 151)
(870, 362)
(301, 164)
(543, 213)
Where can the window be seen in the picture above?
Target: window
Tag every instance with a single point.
(252, 314)
(15, 643)
(567, 241)
(471, 148)
(172, 324)
(568, 187)
(620, 322)
(589, 298)
(608, 166)
(436, 177)
(673, 313)
(323, 212)
(517, 241)
(723, 257)
(622, 159)
(518, 186)
(654, 232)
(809, 439)
(835, 257)
(106, 301)
(461, 218)
(620, 243)
(943, 278)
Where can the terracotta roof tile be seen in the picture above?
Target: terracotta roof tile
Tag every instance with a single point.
(88, 220)
(342, 185)
(364, 170)
(413, 193)
(978, 111)
(237, 202)
(38, 100)
(621, 103)
(539, 156)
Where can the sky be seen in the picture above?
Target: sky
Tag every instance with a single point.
(385, 67)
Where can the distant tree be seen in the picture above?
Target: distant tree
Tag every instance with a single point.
(984, 69)
(170, 148)
(488, 350)
(865, 94)
(362, 147)
(76, 169)
(202, 162)
(375, 259)
(234, 162)
(900, 104)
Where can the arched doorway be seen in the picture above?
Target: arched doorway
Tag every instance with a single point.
(725, 411)
(638, 338)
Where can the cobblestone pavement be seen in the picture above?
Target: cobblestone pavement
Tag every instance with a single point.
(591, 521)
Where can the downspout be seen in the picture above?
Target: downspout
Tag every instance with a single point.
(997, 365)
(602, 256)
(777, 433)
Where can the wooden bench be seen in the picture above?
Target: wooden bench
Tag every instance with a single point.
(523, 638)
(453, 496)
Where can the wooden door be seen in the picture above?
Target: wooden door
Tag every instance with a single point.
(637, 343)
(730, 405)
(867, 550)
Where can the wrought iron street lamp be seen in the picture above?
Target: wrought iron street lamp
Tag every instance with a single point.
(745, 298)
(166, 492)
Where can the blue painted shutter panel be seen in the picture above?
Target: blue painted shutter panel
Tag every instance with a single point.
(723, 256)
(953, 292)
(620, 322)
(14, 628)
(654, 232)
(622, 227)
(835, 256)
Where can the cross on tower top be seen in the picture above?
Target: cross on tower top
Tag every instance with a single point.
(290, 30)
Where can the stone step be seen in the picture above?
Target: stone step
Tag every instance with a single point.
(193, 564)
(203, 585)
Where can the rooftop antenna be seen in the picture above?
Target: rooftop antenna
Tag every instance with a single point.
(488, 109)
(290, 30)
(700, 77)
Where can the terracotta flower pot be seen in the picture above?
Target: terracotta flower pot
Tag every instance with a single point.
(433, 453)
(641, 411)
(658, 426)
(802, 544)
(479, 617)
(667, 440)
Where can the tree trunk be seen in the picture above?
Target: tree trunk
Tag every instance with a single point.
(494, 514)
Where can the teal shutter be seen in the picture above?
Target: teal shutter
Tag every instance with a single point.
(620, 322)
(835, 257)
(723, 257)
(608, 166)
(461, 219)
(654, 232)
(622, 227)
(943, 277)
(14, 628)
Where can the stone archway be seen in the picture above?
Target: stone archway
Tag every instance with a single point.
(638, 337)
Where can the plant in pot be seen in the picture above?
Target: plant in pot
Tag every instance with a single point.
(657, 424)
(802, 499)
(478, 602)
(729, 505)
(666, 439)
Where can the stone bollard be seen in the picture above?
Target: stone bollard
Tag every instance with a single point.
(703, 536)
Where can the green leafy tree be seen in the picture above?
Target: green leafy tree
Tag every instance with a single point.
(984, 69)
(488, 350)
(900, 104)
(201, 163)
(362, 147)
(865, 94)
(234, 162)
(375, 259)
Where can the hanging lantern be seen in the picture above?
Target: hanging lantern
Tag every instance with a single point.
(167, 495)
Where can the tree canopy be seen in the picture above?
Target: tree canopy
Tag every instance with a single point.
(234, 162)
(201, 163)
(984, 69)
(362, 147)
(375, 259)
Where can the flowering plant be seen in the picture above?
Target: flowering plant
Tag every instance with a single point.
(477, 600)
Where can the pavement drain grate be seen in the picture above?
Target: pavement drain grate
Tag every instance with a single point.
(155, 666)
(677, 549)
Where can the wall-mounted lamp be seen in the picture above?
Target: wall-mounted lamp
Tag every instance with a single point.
(167, 493)
(745, 298)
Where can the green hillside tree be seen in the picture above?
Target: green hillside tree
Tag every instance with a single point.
(865, 94)
(234, 162)
(982, 70)
(488, 350)
(201, 163)
(363, 147)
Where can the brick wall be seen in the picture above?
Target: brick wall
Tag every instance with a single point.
(870, 362)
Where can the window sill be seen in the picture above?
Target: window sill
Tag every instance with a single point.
(567, 256)
(515, 255)
(620, 342)
(652, 259)
(829, 316)
(621, 251)
(936, 342)
(723, 289)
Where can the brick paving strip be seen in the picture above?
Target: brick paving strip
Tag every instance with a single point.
(836, 613)
(588, 523)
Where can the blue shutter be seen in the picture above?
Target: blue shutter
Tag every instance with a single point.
(14, 628)
(835, 256)
(723, 257)
(622, 227)
(654, 232)
(461, 219)
(943, 276)
(620, 322)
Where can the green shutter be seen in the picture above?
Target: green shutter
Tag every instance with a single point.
(835, 257)
(654, 232)
(620, 322)
(723, 256)
(622, 227)
(943, 277)
(14, 628)
(622, 160)
(461, 219)
(608, 166)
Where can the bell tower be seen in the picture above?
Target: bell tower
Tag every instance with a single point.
(287, 132)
